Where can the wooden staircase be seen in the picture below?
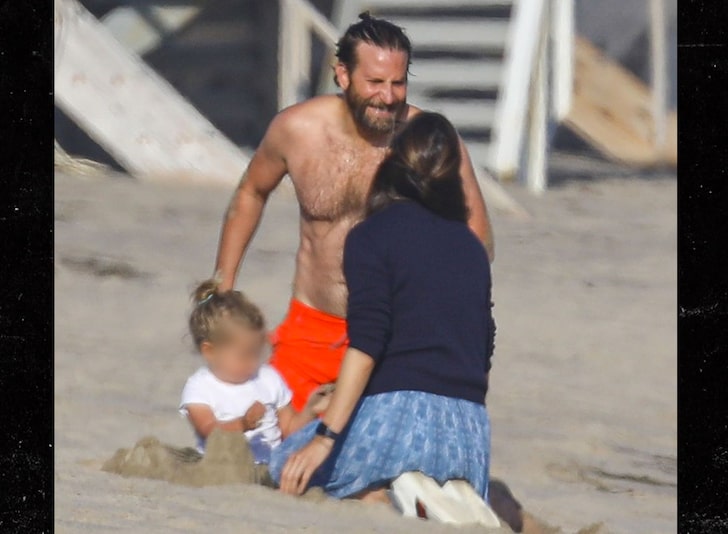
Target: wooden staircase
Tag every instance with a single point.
(457, 63)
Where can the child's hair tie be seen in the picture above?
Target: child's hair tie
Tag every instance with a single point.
(207, 298)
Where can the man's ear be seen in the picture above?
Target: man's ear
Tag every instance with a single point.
(342, 75)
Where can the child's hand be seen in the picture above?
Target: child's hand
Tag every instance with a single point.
(252, 417)
(318, 401)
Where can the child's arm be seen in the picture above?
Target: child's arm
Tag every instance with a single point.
(204, 421)
(290, 420)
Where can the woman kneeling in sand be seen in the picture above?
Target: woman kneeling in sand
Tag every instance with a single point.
(411, 390)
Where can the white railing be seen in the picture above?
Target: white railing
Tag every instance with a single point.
(540, 41)
(299, 20)
(133, 113)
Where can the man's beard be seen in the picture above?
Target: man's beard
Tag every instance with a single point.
(359, 106)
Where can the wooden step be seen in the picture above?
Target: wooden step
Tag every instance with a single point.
(428, 4)
(611, 110)
(455, 74)
(454, 34)
(470, 114)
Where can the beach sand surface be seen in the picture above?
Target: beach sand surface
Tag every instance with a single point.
(583, 385)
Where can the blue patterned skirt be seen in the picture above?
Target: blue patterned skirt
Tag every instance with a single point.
(392, 433)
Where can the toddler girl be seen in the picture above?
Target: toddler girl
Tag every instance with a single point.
(235, 390)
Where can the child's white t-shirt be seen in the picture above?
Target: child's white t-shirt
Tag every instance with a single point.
(231, 401)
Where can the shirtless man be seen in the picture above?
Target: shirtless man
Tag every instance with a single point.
(330, 146)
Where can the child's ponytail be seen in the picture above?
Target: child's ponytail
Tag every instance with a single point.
(211, 307)
(204, 292)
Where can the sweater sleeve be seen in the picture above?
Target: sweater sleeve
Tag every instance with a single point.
(369, 308)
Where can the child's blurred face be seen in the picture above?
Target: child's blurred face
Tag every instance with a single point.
(238, 356)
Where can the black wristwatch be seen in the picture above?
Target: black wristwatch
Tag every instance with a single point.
(323, 430)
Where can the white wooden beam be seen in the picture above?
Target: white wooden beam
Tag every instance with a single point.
(141, 35)
(562, 58)
(299, 20)
(520, 57)
(535, 171)
(130, 111)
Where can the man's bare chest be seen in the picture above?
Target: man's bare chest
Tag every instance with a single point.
(333, 184)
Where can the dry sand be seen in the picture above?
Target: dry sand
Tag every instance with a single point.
(582, 399)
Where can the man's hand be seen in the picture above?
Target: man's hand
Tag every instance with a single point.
(302, 464)
(252, 417)
(319, 399)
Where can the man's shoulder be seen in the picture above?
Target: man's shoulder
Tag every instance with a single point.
(413, 111)
(304, 116)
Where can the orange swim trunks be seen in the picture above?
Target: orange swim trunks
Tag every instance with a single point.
(308, 348)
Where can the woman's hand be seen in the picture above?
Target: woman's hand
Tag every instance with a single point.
(353, 377)
(302, 464)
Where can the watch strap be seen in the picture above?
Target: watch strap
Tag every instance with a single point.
(325, 431)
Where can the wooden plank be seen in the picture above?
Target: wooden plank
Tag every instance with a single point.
(509, 124)
(133, 29)
(455, 74)
(535, 149)
(129, 110)
(454, 33)
(562, 56)
(462, 113)
(611, 109)
(422, 4)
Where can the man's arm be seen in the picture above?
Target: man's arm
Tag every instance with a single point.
(479, 221)
(264, 173)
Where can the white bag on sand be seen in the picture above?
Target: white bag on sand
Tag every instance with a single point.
(461, 491)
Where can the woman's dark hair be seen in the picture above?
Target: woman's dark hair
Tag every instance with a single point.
(424, 166)
(377, 32)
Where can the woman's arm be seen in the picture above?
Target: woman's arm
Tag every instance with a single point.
(353, 377)
(368, 325)
(289, 420)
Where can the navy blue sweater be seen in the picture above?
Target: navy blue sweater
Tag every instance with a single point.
(420, 302)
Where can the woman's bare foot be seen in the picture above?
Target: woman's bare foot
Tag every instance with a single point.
(373, 496)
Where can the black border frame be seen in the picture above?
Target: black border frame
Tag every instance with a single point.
(26, 297)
